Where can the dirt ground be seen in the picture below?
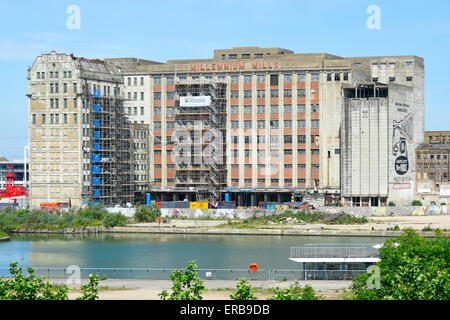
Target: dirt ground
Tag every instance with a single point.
(152, 294)
(416, 222)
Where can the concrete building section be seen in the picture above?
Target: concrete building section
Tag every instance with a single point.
(286, 106)
(141, 160)
(432, 170)
(62, 90)
(382, 126)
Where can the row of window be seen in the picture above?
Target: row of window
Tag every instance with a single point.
(135, 82)
(140, 134)
(392, 79)
(54, 118)
(432, 156)
(54, 103)
(234, 56)
(383, 65)
(135, 111)
(135, 96)
(337, 76)
(141, 145)
(287, 139)
(301, 108)
(301, 138)
(140, 156)
(273, 152)
(54, 87)
(432, 166)
(261, 124)
(247, 78)
(140, 177)
(234, 94)
(274, 166)
(54, 74)
(263, 180)
(247, 152)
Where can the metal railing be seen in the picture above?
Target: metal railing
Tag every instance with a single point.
(333, 251)
(205, 274)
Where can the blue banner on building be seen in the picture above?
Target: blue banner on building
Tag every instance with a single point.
(95, 158)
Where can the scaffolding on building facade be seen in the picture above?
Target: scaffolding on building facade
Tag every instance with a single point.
(110, 152)
(200, 145)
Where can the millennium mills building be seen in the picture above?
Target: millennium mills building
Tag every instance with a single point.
(258, 124)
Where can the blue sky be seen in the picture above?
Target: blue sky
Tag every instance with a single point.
(162, 30)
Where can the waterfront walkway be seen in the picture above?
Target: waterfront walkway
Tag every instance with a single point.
(136, 289)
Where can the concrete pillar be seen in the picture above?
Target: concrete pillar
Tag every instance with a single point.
(265, 197)
(279, 197)
(252, 199)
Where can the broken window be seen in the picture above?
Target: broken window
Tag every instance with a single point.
(273, 79)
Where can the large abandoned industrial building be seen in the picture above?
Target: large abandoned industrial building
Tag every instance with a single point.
(258, 124)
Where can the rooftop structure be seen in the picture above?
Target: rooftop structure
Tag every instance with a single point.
(334, 253)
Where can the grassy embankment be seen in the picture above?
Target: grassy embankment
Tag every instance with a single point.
(290, 217)
(32, 220)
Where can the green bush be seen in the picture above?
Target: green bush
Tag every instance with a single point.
(25, 219)
(294, 293)
(244, 291)
(147, 214)
(114, 219)
(29, 287)
(411, 268)
(416, 203)
(90, 290)
(186, 285)
(392, 204)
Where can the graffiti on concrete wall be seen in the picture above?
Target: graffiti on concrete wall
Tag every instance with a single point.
(402, 134)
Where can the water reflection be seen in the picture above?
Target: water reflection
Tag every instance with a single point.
(159, 250)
